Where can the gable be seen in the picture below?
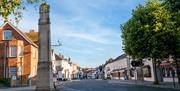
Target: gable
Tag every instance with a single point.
(16, 34)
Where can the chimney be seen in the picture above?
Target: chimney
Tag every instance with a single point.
(69, 59)
(62, 56)
(31, 30)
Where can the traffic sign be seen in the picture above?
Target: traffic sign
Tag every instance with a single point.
(13, 77)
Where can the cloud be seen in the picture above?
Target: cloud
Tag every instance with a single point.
(77, 50)
(86, 37)
(100, 49)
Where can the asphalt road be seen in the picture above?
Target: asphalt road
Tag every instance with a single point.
(103, 85)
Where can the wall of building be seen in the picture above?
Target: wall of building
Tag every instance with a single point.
(24, 63)
(116, 65)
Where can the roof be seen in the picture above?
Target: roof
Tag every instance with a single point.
(33, 36)
(120, 57)
(20, 32)
(57, 57)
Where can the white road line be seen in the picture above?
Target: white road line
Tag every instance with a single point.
(68, 89)
(111, 82)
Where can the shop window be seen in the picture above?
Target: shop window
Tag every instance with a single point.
(147, 71)
(167, 71)
(132, 73)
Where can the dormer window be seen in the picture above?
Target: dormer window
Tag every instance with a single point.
(7, 35)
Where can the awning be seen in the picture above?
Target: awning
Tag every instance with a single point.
(165, 64)
(119, 70)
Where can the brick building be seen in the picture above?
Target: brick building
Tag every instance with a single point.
(18, 54)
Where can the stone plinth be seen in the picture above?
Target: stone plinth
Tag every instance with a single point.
(43, 75)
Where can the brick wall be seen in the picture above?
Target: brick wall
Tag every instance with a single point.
(27, 61)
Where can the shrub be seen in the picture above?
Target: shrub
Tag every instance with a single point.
(5, 82)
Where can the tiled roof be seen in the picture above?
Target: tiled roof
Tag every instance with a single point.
(33, 36)
(58, 57)
(120, 57)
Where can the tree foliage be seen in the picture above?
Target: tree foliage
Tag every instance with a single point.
(174, 7)
(152, 32)
(148, 32)
(14, 7)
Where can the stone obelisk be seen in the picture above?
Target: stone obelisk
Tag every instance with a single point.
(44, 70)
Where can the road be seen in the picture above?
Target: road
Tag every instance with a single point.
(104, 85)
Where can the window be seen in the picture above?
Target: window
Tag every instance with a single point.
(7, 35)
(20, 70)
(20, 51)
(33, 52)
(132, 72)
(147, 71)
(34, 71)
(12, 70)
(13, 51)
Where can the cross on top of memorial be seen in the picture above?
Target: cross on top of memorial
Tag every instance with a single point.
(44, 8)
(44, 14)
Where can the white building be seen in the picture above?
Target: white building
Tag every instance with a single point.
(143, 73)
(121, 67)
(117, 69)
(64, 69)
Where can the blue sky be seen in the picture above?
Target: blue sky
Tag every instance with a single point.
(89, 30)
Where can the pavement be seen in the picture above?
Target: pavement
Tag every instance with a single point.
(146, 83)
(103, 85)
(30, 88)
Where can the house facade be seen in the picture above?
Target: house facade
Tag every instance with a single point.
(117, 68)
(18, 54)
(64, 69)
(75, 71)
(120, 68)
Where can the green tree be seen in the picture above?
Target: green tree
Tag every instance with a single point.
(174, 7)
(148, 32)
(14, 7)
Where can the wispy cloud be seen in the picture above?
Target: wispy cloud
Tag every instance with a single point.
(77, 50)
(86, 37)
(100, 49)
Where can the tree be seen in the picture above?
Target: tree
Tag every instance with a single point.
(15, 7)
(174, 7)
(148, 32)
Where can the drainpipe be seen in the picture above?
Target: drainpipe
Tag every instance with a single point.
(5, 59)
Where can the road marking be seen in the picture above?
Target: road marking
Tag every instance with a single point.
(113, 81)
(63, 88)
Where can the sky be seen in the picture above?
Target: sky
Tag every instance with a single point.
(89, 30)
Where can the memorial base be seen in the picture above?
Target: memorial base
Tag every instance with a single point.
(45, 77)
